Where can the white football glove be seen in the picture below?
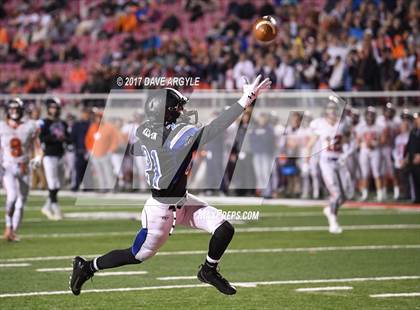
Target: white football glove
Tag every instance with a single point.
(35, 162)
(251, 90)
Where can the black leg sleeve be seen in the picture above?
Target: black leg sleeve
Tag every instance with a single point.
(116, 258)
(53, 195)
(220, 240)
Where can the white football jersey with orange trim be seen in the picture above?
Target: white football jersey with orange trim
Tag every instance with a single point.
(15, 143)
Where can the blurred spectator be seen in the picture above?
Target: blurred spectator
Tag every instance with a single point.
(377, 42)
(46, 53)
(337, 72)
(243, 68)
(78, 76)
(171, 23)
(286, 74)
(71, 53)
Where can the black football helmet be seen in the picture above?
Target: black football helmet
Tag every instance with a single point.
(56, 103)
(15, 109)
(165, 106)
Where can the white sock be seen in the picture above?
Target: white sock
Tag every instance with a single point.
(211, 260)
(379, 194)
(56, 208)
(396, 192)
(17, 217)
(47, 204)
(384, 193)
(95, 265)
(9, 221)
(364, 193)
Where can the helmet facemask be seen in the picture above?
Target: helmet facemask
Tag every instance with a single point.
(15, 110)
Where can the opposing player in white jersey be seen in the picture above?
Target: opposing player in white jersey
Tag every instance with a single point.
(353, 159)
(390, 130)
(330, 130)
(398, 154)
(369, 138)
(18, 142)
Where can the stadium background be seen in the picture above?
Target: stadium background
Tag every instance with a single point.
(367, 52)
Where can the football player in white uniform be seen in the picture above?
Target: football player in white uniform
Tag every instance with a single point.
(19, 142)
(330, 130)
(398, 154)
(369, 139)
(390, 130)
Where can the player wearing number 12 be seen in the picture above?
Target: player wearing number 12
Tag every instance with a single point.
(18, 142)
(168, 139)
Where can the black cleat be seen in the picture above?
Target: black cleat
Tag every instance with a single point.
(81, 273)
(213, 277)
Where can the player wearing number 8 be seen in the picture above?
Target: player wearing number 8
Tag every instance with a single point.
(18, 142)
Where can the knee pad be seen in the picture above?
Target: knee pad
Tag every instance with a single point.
(139, 249)
(224, 230)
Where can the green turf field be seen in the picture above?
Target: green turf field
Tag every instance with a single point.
(271, 260)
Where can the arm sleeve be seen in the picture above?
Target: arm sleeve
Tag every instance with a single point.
(190, 137)
(219, 124)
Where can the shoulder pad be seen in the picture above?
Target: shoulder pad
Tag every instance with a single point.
(182, 137)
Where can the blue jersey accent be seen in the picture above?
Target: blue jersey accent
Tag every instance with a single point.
(182, 141)
(138, 242)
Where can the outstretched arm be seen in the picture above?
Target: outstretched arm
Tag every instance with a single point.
(225, 119)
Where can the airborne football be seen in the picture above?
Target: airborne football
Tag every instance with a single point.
(210, 154)
(265, 29)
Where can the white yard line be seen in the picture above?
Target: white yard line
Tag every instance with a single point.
(136, 215)
(345, 212)
(415, 294)
(54, 269)
(324, 289)
(14, 265)
(120, 273)
(239, 284)
(99, 274)
(77, 214)
(239, 230)
(31, 220)
(176, 278)
(237, 251)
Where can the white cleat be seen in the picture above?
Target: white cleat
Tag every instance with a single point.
(57, 216)
(335, 229)
(364, 196)
(379, 196)
(396, 193)
(48, 213)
